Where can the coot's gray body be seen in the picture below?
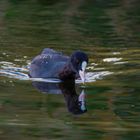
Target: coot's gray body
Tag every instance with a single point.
(48, 64)
(52, 64)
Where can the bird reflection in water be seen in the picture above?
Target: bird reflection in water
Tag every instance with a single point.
(75, 103)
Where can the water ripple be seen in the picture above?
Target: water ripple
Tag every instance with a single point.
(10, 70)
(111, 59)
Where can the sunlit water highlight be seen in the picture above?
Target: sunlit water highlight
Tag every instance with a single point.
(10, 70)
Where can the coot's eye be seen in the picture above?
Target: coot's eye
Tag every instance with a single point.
(80, 103)
(77, 61)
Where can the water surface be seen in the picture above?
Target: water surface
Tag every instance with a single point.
(108, 31)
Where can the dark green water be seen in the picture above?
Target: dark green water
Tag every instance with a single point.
(108, 31)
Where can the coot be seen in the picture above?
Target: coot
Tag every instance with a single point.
(53, 64)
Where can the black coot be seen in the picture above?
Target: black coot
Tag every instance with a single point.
(52, 64)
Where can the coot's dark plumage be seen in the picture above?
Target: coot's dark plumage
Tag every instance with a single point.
(52, 64)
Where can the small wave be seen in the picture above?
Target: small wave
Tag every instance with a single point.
(49, 80)
(93, 76)
(6, 63)
(10, 70)
(111, 59)
(116, 53)
(90, 77)
(122, 62)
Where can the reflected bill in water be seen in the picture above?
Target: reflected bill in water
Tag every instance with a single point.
(76, 104)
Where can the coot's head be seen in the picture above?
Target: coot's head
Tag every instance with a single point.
(79, 62)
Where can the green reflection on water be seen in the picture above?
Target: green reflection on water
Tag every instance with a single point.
(100, 28)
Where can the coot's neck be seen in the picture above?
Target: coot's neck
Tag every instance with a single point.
(68, 72)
